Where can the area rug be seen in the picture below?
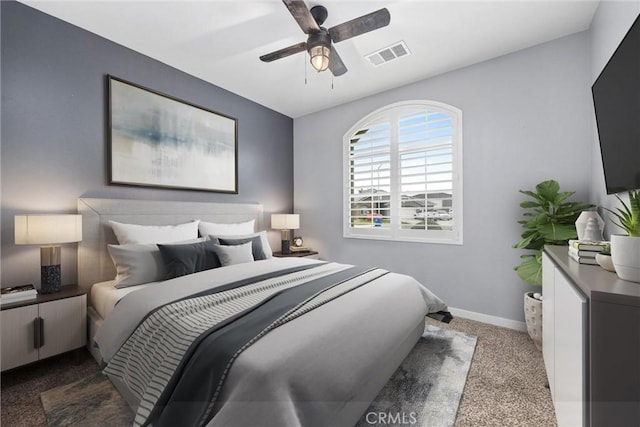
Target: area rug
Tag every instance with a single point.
(424, 391)
(91, 401)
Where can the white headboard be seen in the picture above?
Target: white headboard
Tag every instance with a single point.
(94, 262)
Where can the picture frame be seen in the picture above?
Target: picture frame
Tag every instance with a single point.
(156, 140)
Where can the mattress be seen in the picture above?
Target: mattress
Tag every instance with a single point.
(104, 296)
(326, 366)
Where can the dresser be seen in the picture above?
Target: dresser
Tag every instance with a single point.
(591, 342)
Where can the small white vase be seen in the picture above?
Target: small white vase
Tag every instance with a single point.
(625, 253)
(596, 225)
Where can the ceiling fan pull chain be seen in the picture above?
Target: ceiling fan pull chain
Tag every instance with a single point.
(331, 81)
(305, 70)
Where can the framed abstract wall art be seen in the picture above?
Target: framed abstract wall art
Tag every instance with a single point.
(156, 140)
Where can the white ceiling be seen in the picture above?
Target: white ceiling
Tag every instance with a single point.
(220, 40)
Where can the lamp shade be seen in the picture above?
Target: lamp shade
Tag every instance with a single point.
(319, 57)
(47, 229)
(285, 221)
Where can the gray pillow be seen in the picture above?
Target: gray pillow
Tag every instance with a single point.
(238, 254)
(256, 245)
(180, 260)
(264, 241)
(138, 263)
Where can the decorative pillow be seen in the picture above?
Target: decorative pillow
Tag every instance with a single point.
(262, 252)
(137, 264)
(180, 260)
(142, 234)
(229, 255)
(207, 228)
(256, 245)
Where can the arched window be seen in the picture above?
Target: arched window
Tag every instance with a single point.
(403, 174)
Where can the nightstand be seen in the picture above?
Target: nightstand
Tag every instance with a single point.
(297, 254)
(44, 326)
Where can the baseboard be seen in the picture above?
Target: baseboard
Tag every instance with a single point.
(492, 320)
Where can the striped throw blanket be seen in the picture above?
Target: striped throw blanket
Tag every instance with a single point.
(177, 359)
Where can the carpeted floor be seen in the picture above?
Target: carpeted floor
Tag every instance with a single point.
(506, 383)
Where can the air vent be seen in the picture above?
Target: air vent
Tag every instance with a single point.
(388, 53)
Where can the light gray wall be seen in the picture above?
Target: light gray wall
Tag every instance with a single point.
(54, 130)
(525, 120)
(610, 24)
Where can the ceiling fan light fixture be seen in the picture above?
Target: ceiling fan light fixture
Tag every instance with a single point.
(319, 57)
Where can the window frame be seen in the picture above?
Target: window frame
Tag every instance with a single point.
(391, 114)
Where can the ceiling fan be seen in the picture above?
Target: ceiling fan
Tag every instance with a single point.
(319, 43)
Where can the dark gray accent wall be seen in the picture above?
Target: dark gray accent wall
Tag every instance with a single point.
(53, 147)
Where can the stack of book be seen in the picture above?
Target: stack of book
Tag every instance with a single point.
(584, 251)
(17, 293)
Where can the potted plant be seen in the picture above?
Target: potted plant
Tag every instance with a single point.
(625, 249)
(548, 219)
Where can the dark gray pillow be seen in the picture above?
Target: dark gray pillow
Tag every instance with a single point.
(256, 244)
(180, 260)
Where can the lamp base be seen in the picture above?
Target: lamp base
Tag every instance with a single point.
(285, 236)
(50, 279)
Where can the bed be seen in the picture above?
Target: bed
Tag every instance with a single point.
(325, 356)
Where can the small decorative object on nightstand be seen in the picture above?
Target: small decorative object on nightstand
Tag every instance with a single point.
(297, 242)
(50, 230)
(285, 223)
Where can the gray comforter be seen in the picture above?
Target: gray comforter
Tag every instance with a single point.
(324, 368)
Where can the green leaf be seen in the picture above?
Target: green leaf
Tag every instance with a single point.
(541, 218)
(530, 193)
(528, 204)
(530, 270)
(561, 197)
(558, 232)
(526, 241)
(628, 216)
(548, 190)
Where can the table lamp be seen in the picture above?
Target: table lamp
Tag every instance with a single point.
(50, 231)
(285, 223)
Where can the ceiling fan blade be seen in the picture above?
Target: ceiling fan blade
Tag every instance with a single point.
(336, 65)
(364, 24)
(302, 15)
(300, 47)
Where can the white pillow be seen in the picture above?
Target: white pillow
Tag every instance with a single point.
(208, 228)
(238, 254)
(142, 234)
(137, 264)
(268, 253)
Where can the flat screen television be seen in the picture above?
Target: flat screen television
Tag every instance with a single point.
(616, 99)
